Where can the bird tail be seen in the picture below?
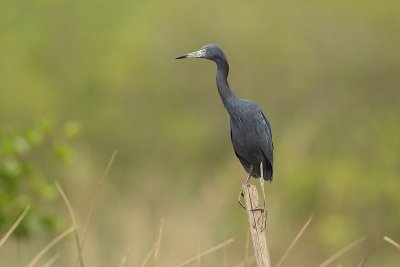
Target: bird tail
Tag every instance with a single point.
(267, 170)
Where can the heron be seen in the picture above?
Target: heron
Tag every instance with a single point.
(251, 134)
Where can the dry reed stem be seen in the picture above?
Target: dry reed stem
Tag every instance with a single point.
(49, 246)
(124, 260)
(52, 260)
(341, 252)
(248, 262)
(392, 242)
(198, 264)
(370, 252)
(294, 241)
(93, 205)
(376, 247)
(154, 248)
(73, 220)
(211, 250)
(225, 258)
(68, 204)
(158, 243)
(148, 255)
(15, 224)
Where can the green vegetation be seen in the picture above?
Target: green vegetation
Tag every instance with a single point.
(326, 73)
(23, 178)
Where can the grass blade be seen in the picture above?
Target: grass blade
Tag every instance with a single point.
(392, 242)
(148, 255)
(124, 260)
(93, 205)
(211, 250)
(370, 252)
(52, 260)
(14, 226)
(341, 252)
(377, 246)
(294, 241)
(50, 245)
(158, 244)
(74, 222)
(249, 262)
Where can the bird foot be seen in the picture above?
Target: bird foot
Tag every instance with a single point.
(239, 199)
(263, 210)
(258, 209)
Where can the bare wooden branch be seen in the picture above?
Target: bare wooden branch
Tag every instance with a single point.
(257, 225)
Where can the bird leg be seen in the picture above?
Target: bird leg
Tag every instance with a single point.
(264, 208)
(264, 201)
(241, 191)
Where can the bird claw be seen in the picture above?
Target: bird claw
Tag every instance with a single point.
(239, 201)
(258, 209)
(263, 210)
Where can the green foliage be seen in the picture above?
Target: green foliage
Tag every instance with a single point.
(24, 181)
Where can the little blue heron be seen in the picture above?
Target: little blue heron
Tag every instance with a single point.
(250, 130)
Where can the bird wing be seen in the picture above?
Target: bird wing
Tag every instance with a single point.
(245, 163)
(267, 145)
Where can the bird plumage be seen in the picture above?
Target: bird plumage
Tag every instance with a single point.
(252, 139)
(250, 129)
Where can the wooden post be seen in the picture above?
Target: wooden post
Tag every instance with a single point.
(257, 225)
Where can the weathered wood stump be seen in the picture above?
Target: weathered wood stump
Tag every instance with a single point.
(257, 225)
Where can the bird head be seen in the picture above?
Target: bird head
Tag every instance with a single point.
(210, 51)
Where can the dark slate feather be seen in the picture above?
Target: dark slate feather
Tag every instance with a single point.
(250, 129)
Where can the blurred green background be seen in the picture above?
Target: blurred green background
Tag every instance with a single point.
(327, 75)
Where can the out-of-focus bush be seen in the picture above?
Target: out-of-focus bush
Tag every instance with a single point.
(23, 177)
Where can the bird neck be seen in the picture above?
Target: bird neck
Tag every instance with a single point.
(225, 92)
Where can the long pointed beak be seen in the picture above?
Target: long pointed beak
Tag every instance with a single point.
(197, 54)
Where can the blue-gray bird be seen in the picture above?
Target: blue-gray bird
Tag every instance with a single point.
(250, 129)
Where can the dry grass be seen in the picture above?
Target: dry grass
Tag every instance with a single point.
(205, 253)
(392, 242)
(124, 261)
(377, 246)
(294, 241)
(154, 251)
(93, 207)
(74, 222)
(52, 260)
(52, 243)
(148, 255)
(17, 222)
(158, 243)
(342, 251)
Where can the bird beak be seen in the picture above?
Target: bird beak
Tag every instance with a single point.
(198, 54)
